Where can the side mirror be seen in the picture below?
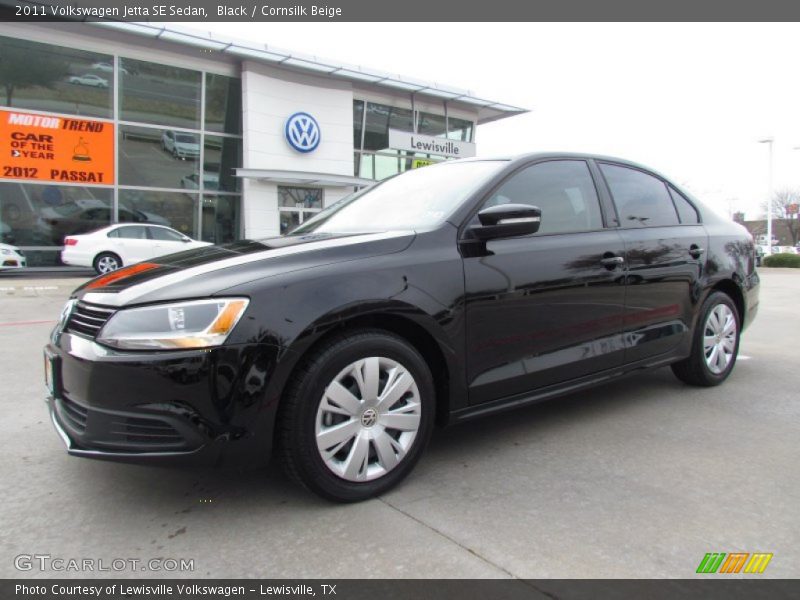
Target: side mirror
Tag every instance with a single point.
(507, 220)
(186, 239)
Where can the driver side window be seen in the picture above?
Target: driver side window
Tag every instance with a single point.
(563, 190)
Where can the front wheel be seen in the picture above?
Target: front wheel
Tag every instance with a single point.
(107, 262)
(357, 416)
(715, 343)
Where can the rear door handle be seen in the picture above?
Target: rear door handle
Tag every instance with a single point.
(695, 251)
(612, 261)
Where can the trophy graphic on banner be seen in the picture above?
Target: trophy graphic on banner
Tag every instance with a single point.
(81, 151)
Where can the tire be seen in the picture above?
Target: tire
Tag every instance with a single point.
(709, 366)
(105, 263)
(347, 452)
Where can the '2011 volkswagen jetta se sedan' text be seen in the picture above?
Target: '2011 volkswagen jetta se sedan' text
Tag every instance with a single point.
(446, 293)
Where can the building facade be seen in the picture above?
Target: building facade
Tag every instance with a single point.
(219, 139)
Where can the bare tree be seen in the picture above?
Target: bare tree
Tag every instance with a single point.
(782, 199)
(19, 70)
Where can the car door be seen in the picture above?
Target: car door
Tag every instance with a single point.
(548, 307)
(166, 241)
(132, 244)
(665, 251)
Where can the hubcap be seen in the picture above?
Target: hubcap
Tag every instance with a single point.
(719, 338)
(368, 418)
(107, 264)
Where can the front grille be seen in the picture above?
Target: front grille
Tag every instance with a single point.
(74, 414)
(152, 432)
(88, 319)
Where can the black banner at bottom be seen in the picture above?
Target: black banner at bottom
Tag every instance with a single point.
(386, 589)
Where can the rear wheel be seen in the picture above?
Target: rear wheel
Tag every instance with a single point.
(715, 343)
(357, 416)
(107, 262)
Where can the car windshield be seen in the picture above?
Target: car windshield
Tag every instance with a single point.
(418, 199)
(186, 138)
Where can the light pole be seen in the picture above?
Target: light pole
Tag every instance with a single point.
(769, 196)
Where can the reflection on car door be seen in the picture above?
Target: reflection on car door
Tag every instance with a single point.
(664, 250)
(548, 307)
(133, 244)
(165, 241)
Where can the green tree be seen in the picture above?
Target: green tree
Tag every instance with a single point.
(19, 69)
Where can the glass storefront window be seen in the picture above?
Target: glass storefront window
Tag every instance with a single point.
(158, 157)
(431, 124)
(222, 156)
(297, 204)
(173, 209)
(159, 94)
(289, 220)
(380, 119)
(460, 129)
(55, 78)
(223, 104)
(159, 147)
(220, 223)
(42, 215)
(358, 122)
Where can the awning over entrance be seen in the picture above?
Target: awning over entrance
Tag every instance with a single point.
(303, 178)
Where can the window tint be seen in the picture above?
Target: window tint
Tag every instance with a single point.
(160, 94)
(166, 235)
(223, 104)
(641, 199)
(380, 119)
(132, 233)
(686, 211)
(55, 78)
(150, 157)
(114, 233)
(563, 190)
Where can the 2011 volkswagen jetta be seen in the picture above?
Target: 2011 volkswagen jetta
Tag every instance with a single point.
(446, 293)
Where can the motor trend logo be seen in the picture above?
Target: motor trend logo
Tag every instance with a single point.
(734, 562)
(56, 148)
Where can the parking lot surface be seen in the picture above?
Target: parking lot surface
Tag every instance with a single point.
(639, 478)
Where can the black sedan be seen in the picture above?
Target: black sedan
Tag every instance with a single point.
(446, 293)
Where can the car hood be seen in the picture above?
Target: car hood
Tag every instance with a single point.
(206, 271)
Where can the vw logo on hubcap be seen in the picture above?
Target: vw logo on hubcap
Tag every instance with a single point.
(369, 417)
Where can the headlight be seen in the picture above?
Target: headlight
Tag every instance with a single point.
(192, 324)
(4, 251)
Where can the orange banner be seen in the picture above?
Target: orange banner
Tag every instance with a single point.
(56, 148)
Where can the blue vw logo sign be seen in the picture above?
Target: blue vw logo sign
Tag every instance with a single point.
(302, 132)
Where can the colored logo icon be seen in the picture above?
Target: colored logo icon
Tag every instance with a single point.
(736, 562)
(302, 132)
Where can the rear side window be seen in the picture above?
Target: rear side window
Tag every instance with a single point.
(132, 233)
(642, 200)
(167, 235)
(686, 211)
(563, 190)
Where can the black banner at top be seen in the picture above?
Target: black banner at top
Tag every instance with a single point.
(199, 11)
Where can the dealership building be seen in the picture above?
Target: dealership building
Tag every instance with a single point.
(219, 139)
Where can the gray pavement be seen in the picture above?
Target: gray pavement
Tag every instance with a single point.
(639, 478)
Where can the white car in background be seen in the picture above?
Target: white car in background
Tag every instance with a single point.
(89, 79)
(180, 145)
(11, 257)
(123, 244)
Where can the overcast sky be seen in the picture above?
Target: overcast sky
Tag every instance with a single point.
(690, 100)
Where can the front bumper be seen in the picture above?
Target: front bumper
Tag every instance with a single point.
(189, 407)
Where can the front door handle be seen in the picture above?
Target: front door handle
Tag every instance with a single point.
(611, 262)
(695, 251)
